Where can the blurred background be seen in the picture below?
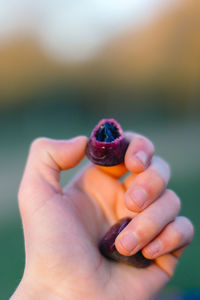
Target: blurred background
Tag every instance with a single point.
(66, 64)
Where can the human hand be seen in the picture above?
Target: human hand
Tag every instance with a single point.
(63, 227)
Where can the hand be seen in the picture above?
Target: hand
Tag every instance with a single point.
(63, 227)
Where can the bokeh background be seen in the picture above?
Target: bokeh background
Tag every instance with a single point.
(66, 64)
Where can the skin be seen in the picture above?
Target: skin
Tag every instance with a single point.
(63, 226)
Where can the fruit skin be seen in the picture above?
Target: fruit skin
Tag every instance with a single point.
(110, 152)
(107, 247)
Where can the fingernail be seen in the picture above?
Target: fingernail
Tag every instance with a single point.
(154, 248)
(129, 241)
(142, 156)
(139, 196)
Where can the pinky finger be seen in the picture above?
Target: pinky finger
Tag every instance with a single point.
(176, 235)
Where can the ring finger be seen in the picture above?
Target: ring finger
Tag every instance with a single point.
(148, 224)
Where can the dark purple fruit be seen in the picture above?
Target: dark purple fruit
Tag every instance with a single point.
(107, 147)
(107, 247)
(107, 144)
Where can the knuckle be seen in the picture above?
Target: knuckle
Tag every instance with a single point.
(141, 234)
(190, 227)
(144, 142)
(146, 229)
(163, 164)
(21, 197)
(129, 135)
(154, 183)
(162, 168)
(39, 144)
(174, 198)
(24, 190)
(177, 236)
(150, 146)
(167, 166)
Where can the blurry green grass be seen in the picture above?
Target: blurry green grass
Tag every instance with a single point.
(19, 128)
(11, 257)
(187, 274)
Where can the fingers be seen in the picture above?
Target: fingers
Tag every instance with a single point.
(148, 224)
(46, 159)
(176, 235)
(137, 157)
(139, 153)
(102, 187)
(146, 187)
(167, 263)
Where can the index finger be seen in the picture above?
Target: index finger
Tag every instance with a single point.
(139, 153)
(137, 158)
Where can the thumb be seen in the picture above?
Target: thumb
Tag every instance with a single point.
(46, 159)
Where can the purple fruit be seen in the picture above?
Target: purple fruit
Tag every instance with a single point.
(107, 247)
(107, 147)
(107, 144)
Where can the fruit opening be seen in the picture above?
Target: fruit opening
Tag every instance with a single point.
(107, 132)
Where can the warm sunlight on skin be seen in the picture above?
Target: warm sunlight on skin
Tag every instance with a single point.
(63, 227)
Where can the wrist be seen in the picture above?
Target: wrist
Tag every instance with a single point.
(32, 291)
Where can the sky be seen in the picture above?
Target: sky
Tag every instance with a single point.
(75, 29)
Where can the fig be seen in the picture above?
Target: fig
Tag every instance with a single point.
(107, 247)
(107, 147)
(107, 144)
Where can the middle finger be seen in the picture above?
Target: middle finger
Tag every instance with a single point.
(145, 188)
